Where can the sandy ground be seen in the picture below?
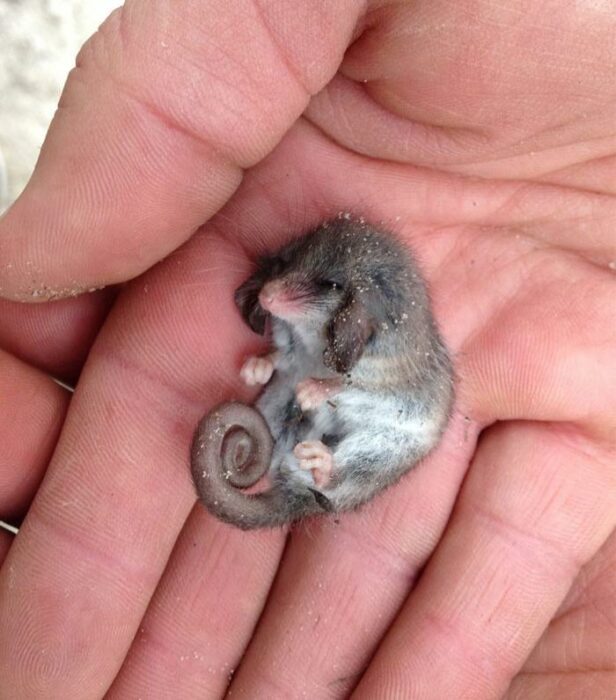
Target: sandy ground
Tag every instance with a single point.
(39, 40)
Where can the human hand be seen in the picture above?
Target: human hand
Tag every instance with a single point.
(499, 121)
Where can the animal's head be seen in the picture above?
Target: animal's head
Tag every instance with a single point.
(341, 277)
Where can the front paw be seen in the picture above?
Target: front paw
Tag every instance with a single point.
(311, 393)
(257, 370)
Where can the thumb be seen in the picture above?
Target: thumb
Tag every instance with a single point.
(168, 103)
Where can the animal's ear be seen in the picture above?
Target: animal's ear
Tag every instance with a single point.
(247, 301)
(348, 332)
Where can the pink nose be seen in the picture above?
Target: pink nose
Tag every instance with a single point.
(270, 293)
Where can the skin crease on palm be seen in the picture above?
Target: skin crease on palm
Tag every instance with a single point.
(483, 133)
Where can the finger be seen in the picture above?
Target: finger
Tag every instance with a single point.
(576, 656)
(538, 503)
(437, 121)
(56, 337)
(201, 615)
(597, 684)
(33, 409)
(167, 105)
(118, 489)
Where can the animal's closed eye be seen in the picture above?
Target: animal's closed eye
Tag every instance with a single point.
(329, 284)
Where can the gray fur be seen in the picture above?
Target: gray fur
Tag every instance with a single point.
(366, 320)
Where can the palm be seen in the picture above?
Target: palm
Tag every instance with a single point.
(521, 285)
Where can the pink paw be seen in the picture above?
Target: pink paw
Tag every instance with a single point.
(311, 393)
(316, 457)
(257, 370)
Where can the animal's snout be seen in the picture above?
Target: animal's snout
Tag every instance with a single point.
(271, 294)
(285, 298)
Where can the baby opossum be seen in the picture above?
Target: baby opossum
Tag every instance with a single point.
(358, 389)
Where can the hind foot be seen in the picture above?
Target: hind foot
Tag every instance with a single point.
(314, 456)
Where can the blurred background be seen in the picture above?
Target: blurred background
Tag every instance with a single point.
(39, 40)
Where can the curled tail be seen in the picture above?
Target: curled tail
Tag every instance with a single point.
(232, 449)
